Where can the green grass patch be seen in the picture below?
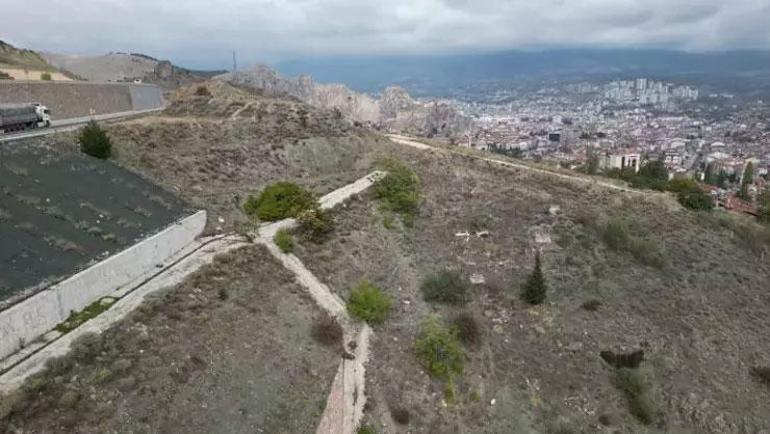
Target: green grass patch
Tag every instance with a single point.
(368, 303)
(438, 348)
(284, 240)
(279, 201)
(91, 311)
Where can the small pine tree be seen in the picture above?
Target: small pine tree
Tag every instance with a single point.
(535, 288)
(94, 141)
(746, 180)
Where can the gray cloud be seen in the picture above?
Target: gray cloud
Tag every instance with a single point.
(201, 33)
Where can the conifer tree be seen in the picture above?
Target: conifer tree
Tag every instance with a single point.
(535, 287)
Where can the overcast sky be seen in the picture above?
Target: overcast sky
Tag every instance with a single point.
(200, 33)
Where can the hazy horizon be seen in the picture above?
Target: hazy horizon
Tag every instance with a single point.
(200, 36)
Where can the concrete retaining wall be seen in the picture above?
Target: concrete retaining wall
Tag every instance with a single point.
(77, 99)
(35, 316)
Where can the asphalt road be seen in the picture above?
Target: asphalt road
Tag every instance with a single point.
(60, 125)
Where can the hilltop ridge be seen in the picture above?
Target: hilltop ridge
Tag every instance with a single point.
(395, 110)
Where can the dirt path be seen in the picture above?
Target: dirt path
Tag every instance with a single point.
(403, 140)
(345, 405)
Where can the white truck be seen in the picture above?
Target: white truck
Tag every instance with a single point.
(20, 117)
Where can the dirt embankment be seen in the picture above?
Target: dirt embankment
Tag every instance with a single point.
(228, 350)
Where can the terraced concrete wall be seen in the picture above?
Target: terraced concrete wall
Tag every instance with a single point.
(77, 99)
(37, 315)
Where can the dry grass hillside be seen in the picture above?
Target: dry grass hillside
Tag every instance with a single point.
(655, 317)
(625, 272)
(215, 144)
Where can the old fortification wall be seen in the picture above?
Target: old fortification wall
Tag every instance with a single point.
(77, 99)
(26, 321)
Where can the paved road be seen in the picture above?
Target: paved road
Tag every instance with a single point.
(60, 125)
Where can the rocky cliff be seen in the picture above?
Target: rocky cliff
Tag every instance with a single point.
(394, 111)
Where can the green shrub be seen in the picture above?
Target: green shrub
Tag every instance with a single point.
(438, 348)
(400, 415)
(5, 76)
(689, 194)
(46, 76)
(368, 303)
(316, 224)
(94, 141)
(535, 288)
(647, 252)
(467, 328)
(591, 305)
(761, 373)
(445, 287)
(284, 240)
(387, 222)
(399, 190)
(202, 91)
(635, 386)
(279, 201)
(366, 429)
(695, 200)
(328, 331)
(618, 235)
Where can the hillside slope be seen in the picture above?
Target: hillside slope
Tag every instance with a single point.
(124, 67)
(22, 64)
(655, 318)
(217, 148)
(625, 272)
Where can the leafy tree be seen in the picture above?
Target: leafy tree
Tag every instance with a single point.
(654, 170)
(722, 179)
(592, 163)
(709, 177)
(535, 288)
(746, 180)
(94, 141)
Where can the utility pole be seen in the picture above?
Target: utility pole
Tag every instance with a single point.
(235, 65)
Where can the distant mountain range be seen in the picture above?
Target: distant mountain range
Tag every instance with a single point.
(441, 74)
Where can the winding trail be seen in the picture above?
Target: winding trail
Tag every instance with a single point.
(345, 405)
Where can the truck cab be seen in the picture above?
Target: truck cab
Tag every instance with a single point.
(43, 114)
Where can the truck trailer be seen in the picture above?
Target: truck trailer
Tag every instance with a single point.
(20, 117)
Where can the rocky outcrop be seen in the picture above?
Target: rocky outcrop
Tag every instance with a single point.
(395, 111)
